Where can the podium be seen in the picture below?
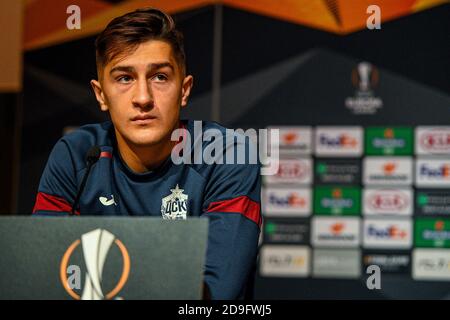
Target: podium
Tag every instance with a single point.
(89, 257)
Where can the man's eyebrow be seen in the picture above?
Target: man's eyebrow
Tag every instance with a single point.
(151, 66)
(121, 68)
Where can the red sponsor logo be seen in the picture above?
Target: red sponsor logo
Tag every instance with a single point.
(337, 228)
(389, 133)
(292, 170)
(435, 140)
(389, 168)
(289, 138)
(439, 225)
(388, 201)
(336, 193)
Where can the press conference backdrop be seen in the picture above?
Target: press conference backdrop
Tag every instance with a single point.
(364, 117)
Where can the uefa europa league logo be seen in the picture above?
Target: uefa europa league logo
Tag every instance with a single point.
(365, 76)
(364, 69)
(95, 245)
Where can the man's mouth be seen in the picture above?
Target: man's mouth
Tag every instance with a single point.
(143, 119)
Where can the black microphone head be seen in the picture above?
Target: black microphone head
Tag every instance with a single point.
(93, 155)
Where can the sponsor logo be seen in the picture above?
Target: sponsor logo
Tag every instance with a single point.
(295, 140)
(389, 141)
(387, 233)
(387, 202)
(292, 171)
(431, 264)
(335, 232)
(387, 170)
(388, 263)
(339, 141)
(284, 261)
(432, 173)
(96, 245)
(337, 171)
(289, 202)
(337, 200)
(432, 140)
(433, 202)
(174, 206)
(104, 201)
(432, 232)
(336, 263)
(365, 77)
(286, 231)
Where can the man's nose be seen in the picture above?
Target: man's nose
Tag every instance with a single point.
(143, 95)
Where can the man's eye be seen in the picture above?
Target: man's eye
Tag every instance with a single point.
(160, 77)
(124, 79)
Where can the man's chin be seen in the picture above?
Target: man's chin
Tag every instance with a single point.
(141, 143)
(145, 141)
(144, 138)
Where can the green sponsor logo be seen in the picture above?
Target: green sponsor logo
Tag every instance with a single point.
(337, 201)
(321, 168)
(271, 228)
(389, 141)
(432, 233)
(422, 199)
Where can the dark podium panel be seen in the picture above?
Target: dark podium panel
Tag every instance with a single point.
(102, 258)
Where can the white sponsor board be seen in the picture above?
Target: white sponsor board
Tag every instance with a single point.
(431, 264)
(336, 263)
(284, 261)
(387, 233)
(432, 140)
(293, 140)
(288, 202)
(434, 173)
(387, 170)
(292, 171)
(338, 141)
(382, 202)
(335, 232)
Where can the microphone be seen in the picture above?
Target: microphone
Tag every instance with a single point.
(92, 157)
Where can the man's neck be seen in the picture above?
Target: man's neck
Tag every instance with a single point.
(142, 159)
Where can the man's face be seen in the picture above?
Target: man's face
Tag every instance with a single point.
(143, 93)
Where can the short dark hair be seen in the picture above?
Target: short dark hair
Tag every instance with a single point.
(125, 33)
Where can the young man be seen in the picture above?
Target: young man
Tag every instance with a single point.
(142, 83)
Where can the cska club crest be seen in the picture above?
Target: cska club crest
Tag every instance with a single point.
(174, 206)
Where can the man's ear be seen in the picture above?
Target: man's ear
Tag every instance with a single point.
(188, 82)
(99, 95)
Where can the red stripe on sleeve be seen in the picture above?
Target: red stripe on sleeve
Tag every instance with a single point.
(47, 202)
(243, 205)
(105, 154)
